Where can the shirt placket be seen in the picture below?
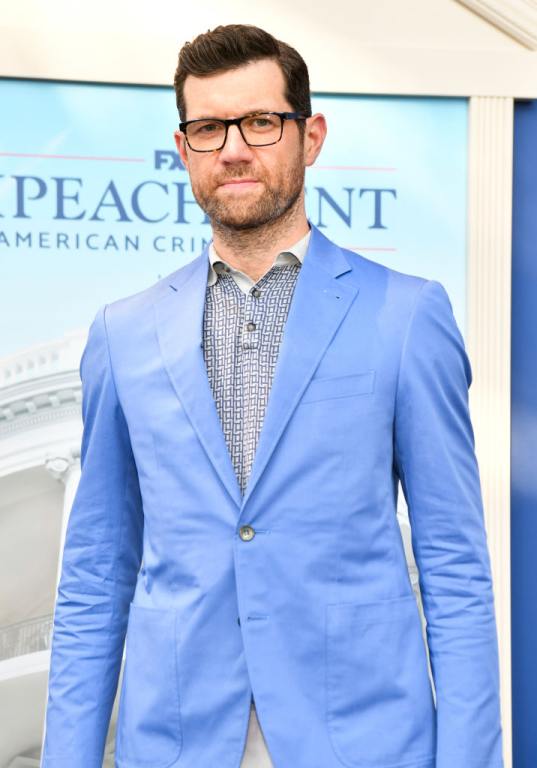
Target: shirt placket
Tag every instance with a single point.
(251, 378)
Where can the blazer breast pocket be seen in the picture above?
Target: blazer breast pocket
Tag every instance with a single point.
(348, 385)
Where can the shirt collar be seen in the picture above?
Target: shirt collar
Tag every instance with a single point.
(295, 253)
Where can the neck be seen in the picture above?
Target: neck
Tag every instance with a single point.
(253, 251)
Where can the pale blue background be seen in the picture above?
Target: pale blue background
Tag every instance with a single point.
(417, 146)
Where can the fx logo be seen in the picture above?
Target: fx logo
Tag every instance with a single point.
(165, 158)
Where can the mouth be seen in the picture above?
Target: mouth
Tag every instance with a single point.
(239, 184)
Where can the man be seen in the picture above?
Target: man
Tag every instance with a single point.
(247, 421)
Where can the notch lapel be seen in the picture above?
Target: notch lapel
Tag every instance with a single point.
(179, 321)
(319, 304)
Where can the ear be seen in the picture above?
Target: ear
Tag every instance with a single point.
(314, 137)
(180, 143)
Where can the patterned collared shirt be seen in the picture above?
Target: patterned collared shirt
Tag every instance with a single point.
(243, 326)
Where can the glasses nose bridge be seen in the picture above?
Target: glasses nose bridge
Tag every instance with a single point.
(237, 122)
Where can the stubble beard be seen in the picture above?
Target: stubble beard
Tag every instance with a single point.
(276, 202)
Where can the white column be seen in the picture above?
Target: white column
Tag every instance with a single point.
(65, 467)
(489, 346)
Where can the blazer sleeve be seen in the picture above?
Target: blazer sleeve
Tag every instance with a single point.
(101, 559)
(436, 463)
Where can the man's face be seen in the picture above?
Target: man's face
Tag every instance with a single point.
(242, 187)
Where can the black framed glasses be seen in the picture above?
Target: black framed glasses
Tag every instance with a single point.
(260, 129)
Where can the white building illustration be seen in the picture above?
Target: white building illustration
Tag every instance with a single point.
(40, 433)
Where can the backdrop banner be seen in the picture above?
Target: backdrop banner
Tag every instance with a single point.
(95, 203)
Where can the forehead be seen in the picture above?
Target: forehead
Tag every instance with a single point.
(257, 85)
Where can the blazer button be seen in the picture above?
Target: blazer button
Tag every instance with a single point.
(246, 532)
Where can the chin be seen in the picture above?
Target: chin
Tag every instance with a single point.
(247, 218)
(241, 223)
(243, 215)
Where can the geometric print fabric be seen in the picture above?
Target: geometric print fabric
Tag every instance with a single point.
(242, 333)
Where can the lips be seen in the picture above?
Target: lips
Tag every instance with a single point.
(238, 182)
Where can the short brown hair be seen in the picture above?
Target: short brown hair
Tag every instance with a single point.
(233, 45)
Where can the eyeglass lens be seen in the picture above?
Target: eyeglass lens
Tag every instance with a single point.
(257, 131)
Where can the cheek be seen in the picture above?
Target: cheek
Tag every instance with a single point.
(282, 169)
(201, 174)
(293, 176)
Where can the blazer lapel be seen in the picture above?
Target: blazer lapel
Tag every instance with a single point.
(179, 320)
(319, 304)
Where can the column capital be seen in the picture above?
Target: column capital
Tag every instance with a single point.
(61, 463)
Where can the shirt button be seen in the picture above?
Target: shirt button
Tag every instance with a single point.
(250, 326)
(246, 532)
(256, 292)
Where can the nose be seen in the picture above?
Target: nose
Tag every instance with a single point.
(235, 149)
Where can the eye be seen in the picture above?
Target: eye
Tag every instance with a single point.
(205, 128)
(262, 122)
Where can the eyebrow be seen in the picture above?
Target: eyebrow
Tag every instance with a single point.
(257, 111)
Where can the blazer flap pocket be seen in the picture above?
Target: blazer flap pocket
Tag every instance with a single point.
(339, 386)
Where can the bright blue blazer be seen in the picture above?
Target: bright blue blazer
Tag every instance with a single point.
(315, 614)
